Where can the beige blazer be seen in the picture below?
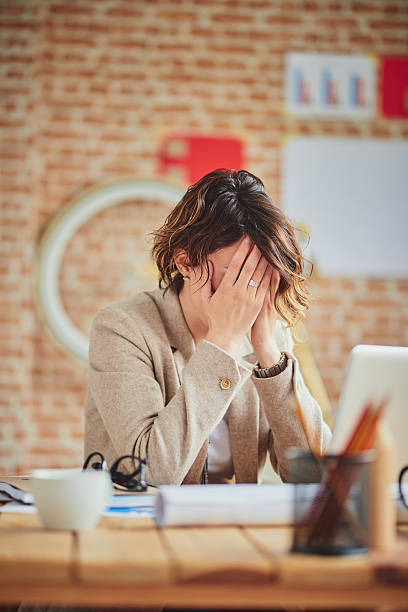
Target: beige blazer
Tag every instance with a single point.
(152, 393)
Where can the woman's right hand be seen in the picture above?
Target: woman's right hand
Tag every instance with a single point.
(231, 310)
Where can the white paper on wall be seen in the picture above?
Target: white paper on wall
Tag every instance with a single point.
(329, 85)
(352, 197)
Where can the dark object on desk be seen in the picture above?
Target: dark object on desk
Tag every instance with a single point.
(403, 486)
(133, 481)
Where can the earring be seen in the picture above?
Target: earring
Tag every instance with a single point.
(186, 278)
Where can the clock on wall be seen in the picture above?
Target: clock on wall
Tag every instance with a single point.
(67, 224)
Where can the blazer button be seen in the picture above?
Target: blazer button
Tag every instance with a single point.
(225, 383)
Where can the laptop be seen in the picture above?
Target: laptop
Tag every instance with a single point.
(372, 374)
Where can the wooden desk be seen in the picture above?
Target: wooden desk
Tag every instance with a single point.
(130, 562)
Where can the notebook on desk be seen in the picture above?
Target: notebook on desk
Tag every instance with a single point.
(375, 373)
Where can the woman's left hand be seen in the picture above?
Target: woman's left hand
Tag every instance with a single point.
(263, 330)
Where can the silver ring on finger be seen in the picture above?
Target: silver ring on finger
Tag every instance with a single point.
(253, 283)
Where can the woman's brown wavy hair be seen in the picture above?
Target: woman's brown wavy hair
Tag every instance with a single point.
(218, 210)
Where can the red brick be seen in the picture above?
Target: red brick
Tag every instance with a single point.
(391, 9)
(122, 12)
(126, 44)
(178, 15)
(12, 10)
(365, 7)
(47, 449)
(354, 130)
(16, 25)
(10, 59)
(311, 6)
(15, 42)
(336, 6)
(402, 285)
(69, 9)
(366, 40)
(336, 22)
(70, 40)
(376, 285)
(12, 90)
(389, 25)
(197, 31)
(393, 42)
(381, 131)
(232, 18)
(281, 20)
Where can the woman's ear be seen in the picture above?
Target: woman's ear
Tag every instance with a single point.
(182, 262)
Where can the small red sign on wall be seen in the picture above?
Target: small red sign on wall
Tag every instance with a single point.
(394, 84)
(200, 154)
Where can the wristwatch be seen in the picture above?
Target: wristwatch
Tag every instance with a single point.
(273, 370)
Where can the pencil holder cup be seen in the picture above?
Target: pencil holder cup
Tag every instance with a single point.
(331, 509)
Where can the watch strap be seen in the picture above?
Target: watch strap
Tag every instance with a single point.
(273, 370)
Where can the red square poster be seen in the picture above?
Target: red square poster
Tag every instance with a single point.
(198, 154)
(394, 85)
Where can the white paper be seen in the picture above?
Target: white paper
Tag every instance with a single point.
(243, 504)
(18, 508)
(351, 197)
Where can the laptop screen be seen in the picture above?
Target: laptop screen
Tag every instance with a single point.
(375, 373)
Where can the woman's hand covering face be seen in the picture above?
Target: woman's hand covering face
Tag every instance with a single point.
(263, 330)
(235, 306)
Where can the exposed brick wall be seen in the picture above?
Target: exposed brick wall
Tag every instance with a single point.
(354, 311)
(18, 31)
(88, 89)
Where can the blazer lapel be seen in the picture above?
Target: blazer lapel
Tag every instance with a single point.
(178, 332)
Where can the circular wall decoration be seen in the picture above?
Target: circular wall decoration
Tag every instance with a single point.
(54, 242)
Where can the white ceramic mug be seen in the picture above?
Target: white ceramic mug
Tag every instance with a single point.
(70, 499)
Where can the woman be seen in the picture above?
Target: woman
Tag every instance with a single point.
(198, 376)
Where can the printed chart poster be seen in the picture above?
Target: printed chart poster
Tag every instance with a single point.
(351, 197)
(331, 86)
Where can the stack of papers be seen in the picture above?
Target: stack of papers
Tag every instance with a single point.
(242, 504)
